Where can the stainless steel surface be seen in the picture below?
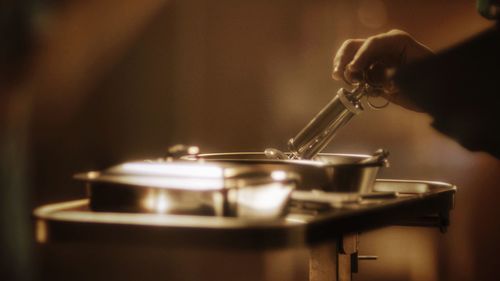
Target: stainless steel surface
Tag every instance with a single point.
(357, 177)
(58, 222)
(178, 150)
(182, 187)
(402, 186)
(379, 156)
(367, 258)
(273, 153)
(71, 225)
(329, 172)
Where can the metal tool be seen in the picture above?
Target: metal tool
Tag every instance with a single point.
(314, 137)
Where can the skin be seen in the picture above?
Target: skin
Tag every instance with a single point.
(387, 52)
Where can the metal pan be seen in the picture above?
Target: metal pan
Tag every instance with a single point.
(184, 187)
(353, 173)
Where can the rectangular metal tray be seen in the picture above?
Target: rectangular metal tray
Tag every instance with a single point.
(416, 203)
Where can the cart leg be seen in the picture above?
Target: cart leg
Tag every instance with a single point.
(323, 262)
(347, 257)
(344, 268)
(334, 260)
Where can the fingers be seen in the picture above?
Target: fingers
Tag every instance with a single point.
(376, 59)
(356, 55)
(344, 56)
(386, 47)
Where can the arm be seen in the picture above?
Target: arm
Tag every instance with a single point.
(459, 87)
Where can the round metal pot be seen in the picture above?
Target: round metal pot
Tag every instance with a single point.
(354, 173)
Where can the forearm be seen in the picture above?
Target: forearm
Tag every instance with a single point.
(460, 89)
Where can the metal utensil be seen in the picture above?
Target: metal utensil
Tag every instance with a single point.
(318, 133)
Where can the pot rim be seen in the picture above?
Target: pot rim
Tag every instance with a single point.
(318, 163)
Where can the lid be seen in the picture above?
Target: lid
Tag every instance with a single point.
(186, 175)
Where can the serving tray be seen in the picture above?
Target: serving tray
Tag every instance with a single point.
(314, 218)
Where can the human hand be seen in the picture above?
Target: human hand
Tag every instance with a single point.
(391, 50)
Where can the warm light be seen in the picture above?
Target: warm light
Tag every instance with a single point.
(267, 200)
(92, 175)
(193, 150)
(175, 170)
(157, 202)
(372, 13)
(41, 231)
(278, 175)
(162, 203)
(171, 183)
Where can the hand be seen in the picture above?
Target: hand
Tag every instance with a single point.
(392, 50)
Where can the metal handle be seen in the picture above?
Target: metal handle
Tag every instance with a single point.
(367, 258)
(179, 150)
(371, 82)
(375, 106)
(379, 157)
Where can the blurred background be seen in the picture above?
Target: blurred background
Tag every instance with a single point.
(91, 83)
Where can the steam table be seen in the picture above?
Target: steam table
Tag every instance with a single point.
(329, 233)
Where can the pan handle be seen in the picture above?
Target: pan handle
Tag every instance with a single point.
(179, 151)
(88, 176)
(379, 157)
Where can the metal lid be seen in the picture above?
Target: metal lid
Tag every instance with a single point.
(186, 175)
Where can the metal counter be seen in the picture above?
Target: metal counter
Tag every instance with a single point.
(328, 233)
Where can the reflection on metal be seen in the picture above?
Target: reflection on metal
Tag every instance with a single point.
(92, 175)
(176, 151)
(219, 200)
(327, 172)
(171, 175)
(278, 175)
(265, 201)
(191, 188)
(77, 212)
(174, 170)
(41, 231)
(273, 153)
(157, 202)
